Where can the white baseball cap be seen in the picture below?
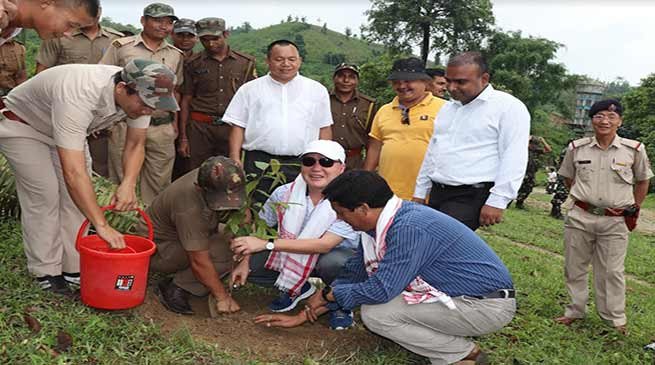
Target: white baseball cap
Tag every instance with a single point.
(329, 149)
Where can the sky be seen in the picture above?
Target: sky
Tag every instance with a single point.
(602, 39)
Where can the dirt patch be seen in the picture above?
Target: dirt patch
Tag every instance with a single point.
(238, 335)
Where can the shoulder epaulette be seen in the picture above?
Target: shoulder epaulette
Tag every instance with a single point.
(580, 142)
(631, 143)
(367, 98)
(244, 55)
(120, 42)
(113, 31)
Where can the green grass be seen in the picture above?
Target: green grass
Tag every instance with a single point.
(531, 338)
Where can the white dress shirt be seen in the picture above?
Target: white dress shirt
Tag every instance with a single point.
(278, 118)
(485, 140)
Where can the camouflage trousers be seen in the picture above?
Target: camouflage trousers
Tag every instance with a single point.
(526, 187)
(559, 197)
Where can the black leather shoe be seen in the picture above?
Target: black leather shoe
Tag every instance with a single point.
(55, 284)
(174, 298)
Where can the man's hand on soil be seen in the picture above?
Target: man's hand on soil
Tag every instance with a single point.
(227, 305)
(280, 320)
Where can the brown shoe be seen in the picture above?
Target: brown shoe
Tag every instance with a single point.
(475, 357)
(567, 321)
(622, 329)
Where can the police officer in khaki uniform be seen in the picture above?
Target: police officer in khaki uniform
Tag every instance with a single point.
(190, 245)
(185, 37)
(352, 113)
(157, 22)
(12, 66)
(86, 45)
(608, 177)
(211, 79)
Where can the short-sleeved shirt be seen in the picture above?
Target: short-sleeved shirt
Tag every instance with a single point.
(339, 227)
(404, 145)
(352, 120)
(78, 48)
(69, 102)
(12, 60)
(179, 214)
(605, 178)
(278, 118)
(213, 83)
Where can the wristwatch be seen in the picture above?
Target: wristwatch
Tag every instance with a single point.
(324, 293)
(270, 245)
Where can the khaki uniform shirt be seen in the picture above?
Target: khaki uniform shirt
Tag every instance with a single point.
(352, 120)
(79, 48)
(213, 83)
(605, 178)
(124, 50)
(12, 61)
(179, 214)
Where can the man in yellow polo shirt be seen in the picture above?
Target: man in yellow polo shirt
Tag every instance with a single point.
(402, 129)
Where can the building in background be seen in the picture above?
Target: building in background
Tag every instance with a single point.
(587, 92)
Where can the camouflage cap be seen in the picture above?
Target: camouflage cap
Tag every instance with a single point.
(346, 66)
(185, 26)
(154, 82)
(223, 183)
(210, 26)
(159, 10)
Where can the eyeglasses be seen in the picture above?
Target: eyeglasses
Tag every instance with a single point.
(405, 116)
(611, 117)
(309, 161)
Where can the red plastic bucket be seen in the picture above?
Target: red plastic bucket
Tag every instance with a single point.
(114, 279)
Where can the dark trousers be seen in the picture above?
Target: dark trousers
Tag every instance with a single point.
(290, 168)
(98, 149)
(460, 202)
(328, 267)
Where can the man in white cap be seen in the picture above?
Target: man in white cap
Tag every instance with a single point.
(311, 240)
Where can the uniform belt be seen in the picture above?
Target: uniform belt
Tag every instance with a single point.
(206, 118)
(598, 210)
(354, 152)
(9, 114)
(482, 185)
(498, 294)
(155, 121)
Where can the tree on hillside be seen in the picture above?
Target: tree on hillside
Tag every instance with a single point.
(450, 25)
(617, 88)
(373, 78)
(348, 32)
(324, 29)
(639, 115)
(525, 67)
(300, 42)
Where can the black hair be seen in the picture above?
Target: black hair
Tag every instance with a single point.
(280, 42)
(356, 187)
(92, 6)
(117, 79)
(435, 72)
(470, 58)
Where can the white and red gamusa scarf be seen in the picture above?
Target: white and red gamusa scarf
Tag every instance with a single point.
(417, 291)
(295, 268)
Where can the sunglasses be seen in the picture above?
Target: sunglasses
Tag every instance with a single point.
(405, 116)
(309, 161)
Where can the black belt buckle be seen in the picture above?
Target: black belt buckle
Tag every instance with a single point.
(500, 294)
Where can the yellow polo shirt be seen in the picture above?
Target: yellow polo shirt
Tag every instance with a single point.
(404, 145)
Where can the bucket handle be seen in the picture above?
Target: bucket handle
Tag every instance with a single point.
(85, 225)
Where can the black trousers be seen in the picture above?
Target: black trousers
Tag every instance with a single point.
(290, 168)
(460, 202)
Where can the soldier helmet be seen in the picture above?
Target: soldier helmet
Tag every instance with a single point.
(210, 26)
(159, 10)
(154, 82)
(223, 183)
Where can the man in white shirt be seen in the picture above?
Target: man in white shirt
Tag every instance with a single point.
(275, 116)
(44, 123)
(477, 156)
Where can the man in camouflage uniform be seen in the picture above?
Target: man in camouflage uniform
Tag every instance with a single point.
(352, 113)
(86, 46)
(157, 22)
(561, 192)
(185, 37)
(43, 137)
(190, 244)
(536, 147)
(12, 66)
(211, 78)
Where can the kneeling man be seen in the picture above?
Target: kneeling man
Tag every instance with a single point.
(425, 280)
(190, 243)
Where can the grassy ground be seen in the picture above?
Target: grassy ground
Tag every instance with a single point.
(532, 338)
